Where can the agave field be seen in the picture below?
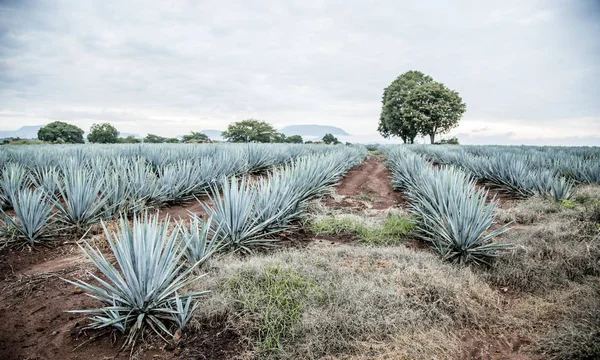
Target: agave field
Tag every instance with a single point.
(427, 241)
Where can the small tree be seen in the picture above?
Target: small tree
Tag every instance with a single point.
(250, 130)
(103, 133)
(128, 140)
(434, 109)
(67, 133)
(154, 139)
(330, 139)
(452, 141)
(172, 140)
(294, 139)
(194, 137)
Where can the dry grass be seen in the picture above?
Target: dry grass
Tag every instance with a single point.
(358, 298)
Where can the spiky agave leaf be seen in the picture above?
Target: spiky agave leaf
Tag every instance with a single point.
(232, 207)
(81, 204)
(140, 289)
(33, 212)
(199, 239)
(14, 178)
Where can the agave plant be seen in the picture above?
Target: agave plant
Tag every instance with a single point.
(141, 289)
(33, 212)
(14, 178)
(561, 189)
(199, 239)
(232, 207)
(81, 204)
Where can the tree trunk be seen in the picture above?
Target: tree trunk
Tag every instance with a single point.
(432, 137)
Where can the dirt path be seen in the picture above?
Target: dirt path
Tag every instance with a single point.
(368, 185)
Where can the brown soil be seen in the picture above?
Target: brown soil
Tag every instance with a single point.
(368, 185)
(35, 325)
(182, 211)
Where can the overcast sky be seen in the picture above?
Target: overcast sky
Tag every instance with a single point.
(529, 71)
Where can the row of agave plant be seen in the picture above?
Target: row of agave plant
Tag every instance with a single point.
(455, 216)
(87, 187)
(532, 171)
(154, 263)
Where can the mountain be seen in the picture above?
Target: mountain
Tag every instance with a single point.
(316, 131)
(25, 132)
(213, 134)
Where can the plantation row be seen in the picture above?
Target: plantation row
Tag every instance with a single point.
(154, 263)
(525, 171)
(453, 214)
(73, 187)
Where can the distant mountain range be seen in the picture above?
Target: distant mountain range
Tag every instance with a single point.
(26, 132)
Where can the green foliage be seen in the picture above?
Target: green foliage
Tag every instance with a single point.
(391, 232)
(568, 204)
(194, 137)
(391, 120)
(294, 139)
(142, 288)
(274, 299)
(250, 130)
(61, 132)
(433, 109)
(129, 140)
(278, 138)
(330, 139)
(452, 141)
(103, 133)
(154, 139)
(172, 140)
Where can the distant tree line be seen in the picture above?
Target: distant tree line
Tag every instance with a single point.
(250, 130)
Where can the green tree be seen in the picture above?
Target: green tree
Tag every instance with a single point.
(330, 139)
(391, 120)
(434, 109)
(172, 140)
(452, 141)
(194, 137)
(250, 130)
(59, 131)
(103, 133)
(294, 139)
(128, 140)
(154, 139)
(278, 138)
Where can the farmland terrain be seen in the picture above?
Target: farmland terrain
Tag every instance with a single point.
(351, 277)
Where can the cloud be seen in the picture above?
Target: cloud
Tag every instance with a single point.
(173, 67)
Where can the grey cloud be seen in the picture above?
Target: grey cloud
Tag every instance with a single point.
(289, 63)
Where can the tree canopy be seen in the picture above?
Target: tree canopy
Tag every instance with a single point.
(194, 137)
(434, 109)
(251, 130)
(61, 132)
(294, 139)
(414, 104)
(128, 140)
(103, 133)
(154, 139)
(330, 139)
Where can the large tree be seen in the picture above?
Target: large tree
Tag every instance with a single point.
(61, 132)
(434, 109)
(250, 130)
(103, 133)
(330, 139)
(391, 120)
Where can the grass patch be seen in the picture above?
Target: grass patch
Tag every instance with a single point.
(568, 204)
(375, 152)
(365, 197)
(273, 298)
(390, 232)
